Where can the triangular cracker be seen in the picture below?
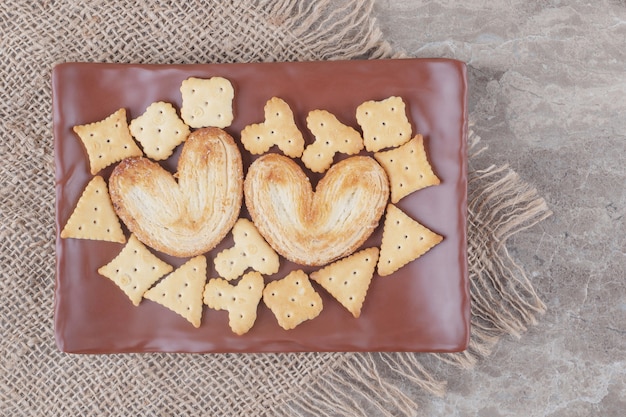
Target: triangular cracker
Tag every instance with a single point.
(404, 240)
(181, 291)
(135, 269)
(279, 128)
(348, 279)
(94, 217)
(241, 300)
(250, 250)
(292, 299)
(107, 141)
(159, 130)
(331, 136)
(408, 168)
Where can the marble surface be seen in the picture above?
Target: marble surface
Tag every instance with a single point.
(548, 94)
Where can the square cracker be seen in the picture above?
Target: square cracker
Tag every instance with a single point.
(279, 128)
(384, 123)
(94, 217)
(404, 240)
(250, 251)
(348, 279)
(159, 130)
(292, 300)
(135, 269)
(239, 300)
(331, 136)
(407, 168)
(207, 102)
(181, 291)
(107, 141)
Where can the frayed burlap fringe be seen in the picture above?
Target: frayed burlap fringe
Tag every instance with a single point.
(36, 379)
(330, 32)
(504, 302)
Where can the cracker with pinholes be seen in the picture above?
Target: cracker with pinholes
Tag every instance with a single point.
(407, 168)
(107, 141)
(250, 251)
(94, 217)
(384, 123)
(181, 291)
(348, 279)
(292, 300)
(404, 240)
(331, 136)
(207, 102)
(239, 300)
(279, 128)
(159, 130)
(135, 269)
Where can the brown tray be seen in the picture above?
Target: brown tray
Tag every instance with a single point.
(425, 306)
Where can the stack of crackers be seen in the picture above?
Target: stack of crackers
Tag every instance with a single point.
(189, 213)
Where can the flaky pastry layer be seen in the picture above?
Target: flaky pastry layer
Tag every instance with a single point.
(315, 228)
(190, 216)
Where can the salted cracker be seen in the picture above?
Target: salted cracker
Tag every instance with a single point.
(279, 128)
(181, 291)
(404, 240)
(159, 130)
(207, 102)
(384, 123)
(94, 217)
(135, 269)
(250, 251)
(292, 300)
(239, 300)
(348, 279)
(107, 141)
(331, 136)
(407, 168)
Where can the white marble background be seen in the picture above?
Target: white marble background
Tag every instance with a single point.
(548, 94)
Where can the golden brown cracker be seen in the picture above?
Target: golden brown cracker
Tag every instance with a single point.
(239, 300)
(384, 123)
(207, 102)
(404, 240)
(159, 130)
(94, 217)
(250, 251)
(107, 141)
(331, 136)
(279, 128)
(292, 299)
(181, 291)
(407, 168)
(348, 279)
(135, 269)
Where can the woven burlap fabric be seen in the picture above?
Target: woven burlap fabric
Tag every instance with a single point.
(36, 379)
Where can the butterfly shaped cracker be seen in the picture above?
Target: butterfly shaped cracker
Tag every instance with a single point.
(279, 128)
(240, 300)
(107, 141)
(159, 130)
(292, 300)
(135, 269)
(407, 168)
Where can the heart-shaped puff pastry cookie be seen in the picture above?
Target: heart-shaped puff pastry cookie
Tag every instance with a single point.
(315, 228)
(188, 217)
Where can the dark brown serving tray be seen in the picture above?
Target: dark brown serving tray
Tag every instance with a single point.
(425, 306)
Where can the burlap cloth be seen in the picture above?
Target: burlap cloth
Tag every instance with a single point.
(36, 379)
